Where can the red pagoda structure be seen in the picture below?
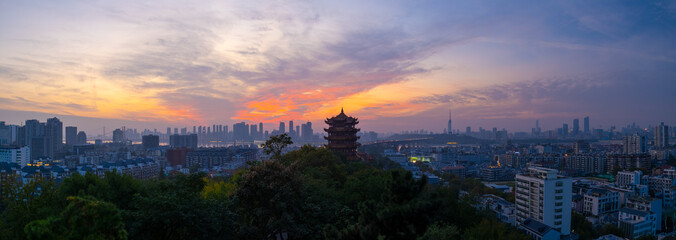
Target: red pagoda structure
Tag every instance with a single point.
(342, 135)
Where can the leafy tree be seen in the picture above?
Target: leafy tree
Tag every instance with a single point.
(175, 209)
(492, 229)
(436, 232)
(610, 229)
(83, 218)
(269, 201)
(275, 144)
(27, 202)
(114, 187)
(581, 226)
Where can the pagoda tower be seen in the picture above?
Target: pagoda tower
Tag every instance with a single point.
(342, 135)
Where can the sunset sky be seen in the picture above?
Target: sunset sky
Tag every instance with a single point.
(397, 65)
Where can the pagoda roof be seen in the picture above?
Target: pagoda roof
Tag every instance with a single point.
(342, 116)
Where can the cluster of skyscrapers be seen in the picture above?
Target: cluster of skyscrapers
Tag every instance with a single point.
(42, 139)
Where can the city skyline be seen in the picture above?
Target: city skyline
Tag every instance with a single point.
(396, 65)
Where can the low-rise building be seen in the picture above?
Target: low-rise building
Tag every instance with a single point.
(636, 223)
(599, 201)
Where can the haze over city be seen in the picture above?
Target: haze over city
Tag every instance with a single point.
(394, 64)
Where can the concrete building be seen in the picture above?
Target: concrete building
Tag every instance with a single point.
(71, 136)
(545, 197)
(81, 138)
(599, 201)
(627, 161)
(18, 155)
(634, 144)
(652, 205)
(179, 141)
(627, 179)
(539, 231)
(54, 135)
(118, 135)
(661, 136)
(150, 141)
(635, 223)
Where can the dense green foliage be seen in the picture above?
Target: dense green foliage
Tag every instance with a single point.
(305, 194)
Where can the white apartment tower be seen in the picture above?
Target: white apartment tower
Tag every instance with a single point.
(544, 196)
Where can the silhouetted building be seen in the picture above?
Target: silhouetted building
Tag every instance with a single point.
(118, 135)
(179, 141)
(291, 132)
(38, 147)
(71, 135)
(342, 134)
(33, 128)
(576, 127)
(586, 125)
(54, 135)
(282, 128)
(81, 138)
(150, 141)
(307, 132)
(254, 131)
(449, 129)
(240, 131)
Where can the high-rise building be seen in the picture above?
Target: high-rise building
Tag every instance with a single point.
(564, 130)
(307, 132)
(118, 135)
(254, 131)
(282, 129)
(634, 144)
(468, 130)
(71, 136)
(586, 125)
(38, 147)
(544, 196)
(179, 141)
(291, 132)
(54, 135)
(150, 141)
(81, 138)
(240, 131)
(260, 130)
(342, 135)
(449, 128)
(661, 136)
(576, 127)
(33, 128)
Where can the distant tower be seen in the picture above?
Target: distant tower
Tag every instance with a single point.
(576, 127)
(449, 129)
(661, 136)
(342, 135)
(586, 125)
